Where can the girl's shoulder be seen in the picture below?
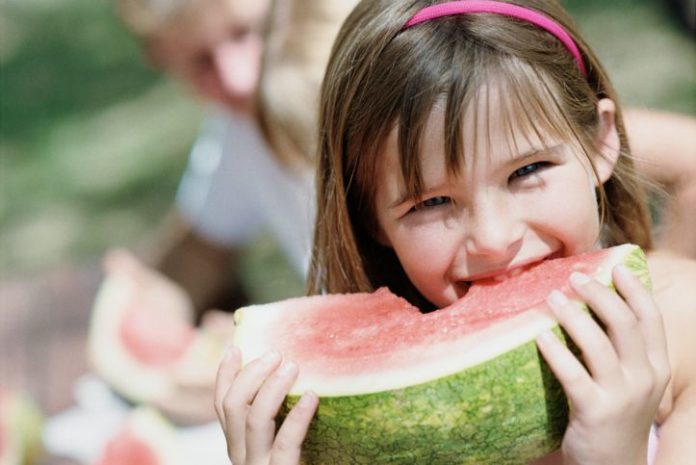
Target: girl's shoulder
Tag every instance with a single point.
(674, 290)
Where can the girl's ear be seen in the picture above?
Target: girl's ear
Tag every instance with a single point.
(608, 144)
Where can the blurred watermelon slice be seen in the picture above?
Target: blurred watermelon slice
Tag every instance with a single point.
(137, 340)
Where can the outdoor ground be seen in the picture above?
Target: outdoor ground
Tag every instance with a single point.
(93, 143)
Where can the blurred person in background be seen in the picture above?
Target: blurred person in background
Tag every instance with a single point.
(234, 187)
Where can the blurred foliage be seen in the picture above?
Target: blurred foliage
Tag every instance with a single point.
(646, 48)
(93, 141)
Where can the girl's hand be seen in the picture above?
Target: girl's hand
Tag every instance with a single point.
(247, 402)
(615, 396)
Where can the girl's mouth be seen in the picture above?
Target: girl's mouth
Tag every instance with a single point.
(504, 275)
(512, 273)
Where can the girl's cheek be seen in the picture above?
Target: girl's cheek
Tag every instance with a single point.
(425, 244)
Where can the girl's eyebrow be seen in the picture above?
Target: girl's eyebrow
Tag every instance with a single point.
(531, 154)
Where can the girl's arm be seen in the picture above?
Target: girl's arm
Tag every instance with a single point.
(664, 147)
(675, 291)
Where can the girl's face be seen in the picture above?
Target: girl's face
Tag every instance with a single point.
(510, 206)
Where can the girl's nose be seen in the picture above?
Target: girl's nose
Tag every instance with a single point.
(493, 231)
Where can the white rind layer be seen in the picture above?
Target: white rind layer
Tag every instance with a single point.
(415, 366)
(425, 364)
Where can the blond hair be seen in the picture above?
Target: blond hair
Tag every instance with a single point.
(296, 52)
(380, 77)
(147, 18)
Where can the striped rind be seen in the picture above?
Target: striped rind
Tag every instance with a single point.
(506, 411)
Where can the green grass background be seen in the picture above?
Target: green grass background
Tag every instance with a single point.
(93, 142)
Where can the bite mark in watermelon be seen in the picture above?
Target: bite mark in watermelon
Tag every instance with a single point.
(464, 384)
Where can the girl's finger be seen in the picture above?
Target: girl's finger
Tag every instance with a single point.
(227, 372)
(620, 322)
(288, 442)
(260, 425)
(649, 317)
(641, 302)
(576, 382)
(597, 350)
(238, 399)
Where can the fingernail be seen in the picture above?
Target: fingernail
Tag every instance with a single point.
(579, 279)
(271, 357)
(547, 337)
(286, 368)
(557, 299)
(307, 399)
(231, 352)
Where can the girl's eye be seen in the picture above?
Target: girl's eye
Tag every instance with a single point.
(432, 202)
(528, 169)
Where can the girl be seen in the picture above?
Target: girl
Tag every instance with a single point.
(467, 140)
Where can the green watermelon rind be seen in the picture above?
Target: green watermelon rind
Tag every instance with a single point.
(420, 430)
(445, 421)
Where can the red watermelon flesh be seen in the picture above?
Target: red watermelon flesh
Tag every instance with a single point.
(145, 438)
(153, 339)
(341, 340)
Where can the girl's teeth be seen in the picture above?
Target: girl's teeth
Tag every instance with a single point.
(511, 274)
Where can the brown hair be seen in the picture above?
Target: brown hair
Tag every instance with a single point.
(380, 77)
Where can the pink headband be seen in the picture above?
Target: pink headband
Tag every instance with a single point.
(501, 8)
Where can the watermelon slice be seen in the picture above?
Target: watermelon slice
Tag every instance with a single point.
(138, 340)
(20, 429)
(464, 384)
(145, 439)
